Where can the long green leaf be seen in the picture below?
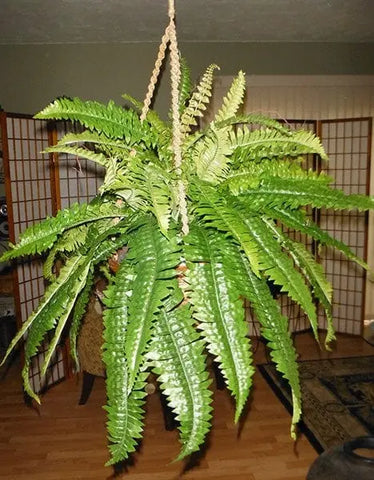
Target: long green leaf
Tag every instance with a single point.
(159, 194)
(241, 179)
(154, 259)
(110, 119)
(198, 101)
(269, 143)
(219, 310)
(78, 312)
(185, 85)
(177, 353)
(70, 241)
(296, 192)
(315, 274)
(274, 327)
(81, 152)
(256, 119)
(48, 307)
(124, 406)
(297, 220)
(106, 244)
(276, 265)
(210, 155)
(58, 298)
(41, 236)
(232, 100)
(215, 211)
(76, 288)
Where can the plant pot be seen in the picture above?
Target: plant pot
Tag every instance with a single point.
(343, 463)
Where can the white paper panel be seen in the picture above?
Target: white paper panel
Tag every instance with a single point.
(80, 179)
(347, 145)
(31, 201)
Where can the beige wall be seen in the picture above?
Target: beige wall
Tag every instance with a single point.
(33, 75)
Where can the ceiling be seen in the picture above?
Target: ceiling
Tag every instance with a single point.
(121, 21)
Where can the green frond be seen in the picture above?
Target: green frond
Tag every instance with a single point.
(159, 194)
(48, 307)
(57, 299)
(330, 329)
(255, 119)
(125, 418)
(111, 119)
(270, 143)
(49, 264)
(73, 238)
(185, 84)
(177, 354)
(238, 181)
(277, 266)
(198, 101)
(297, 220)
(78, 312)
(219, 310)
(99, 248)
(127, 182)
(315, 274)
(97, 142)
(69, 241)
(210, 155)
(93, 138)
(274, 327)
(81, 152)
(154, 258)
(124, 405)
(216, 212)
(111, 175)
(313, 271)
(160, 128)
(134, 102)
(232, 100)
(297, 192)
(76, 288)
(143, 186)
(111, 240)
(40, 237)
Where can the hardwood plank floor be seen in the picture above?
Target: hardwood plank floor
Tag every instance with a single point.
(62, 440)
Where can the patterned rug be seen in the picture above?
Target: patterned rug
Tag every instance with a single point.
(338, 398)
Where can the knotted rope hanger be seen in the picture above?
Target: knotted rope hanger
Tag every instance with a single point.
(170, 37)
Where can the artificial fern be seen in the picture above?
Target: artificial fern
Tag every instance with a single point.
(174, 297)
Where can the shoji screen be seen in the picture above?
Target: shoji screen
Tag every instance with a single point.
(29, 178)
(347, 143)
(79, 179)
(298, 319)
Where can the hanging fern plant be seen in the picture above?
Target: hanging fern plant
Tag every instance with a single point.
(178, 296)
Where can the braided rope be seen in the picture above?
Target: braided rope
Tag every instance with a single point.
(170, 35)
(177, 141)
(156, 72)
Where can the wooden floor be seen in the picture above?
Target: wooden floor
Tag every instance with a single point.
(64, 441)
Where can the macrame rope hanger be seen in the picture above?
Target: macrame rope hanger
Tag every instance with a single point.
(170, 37)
